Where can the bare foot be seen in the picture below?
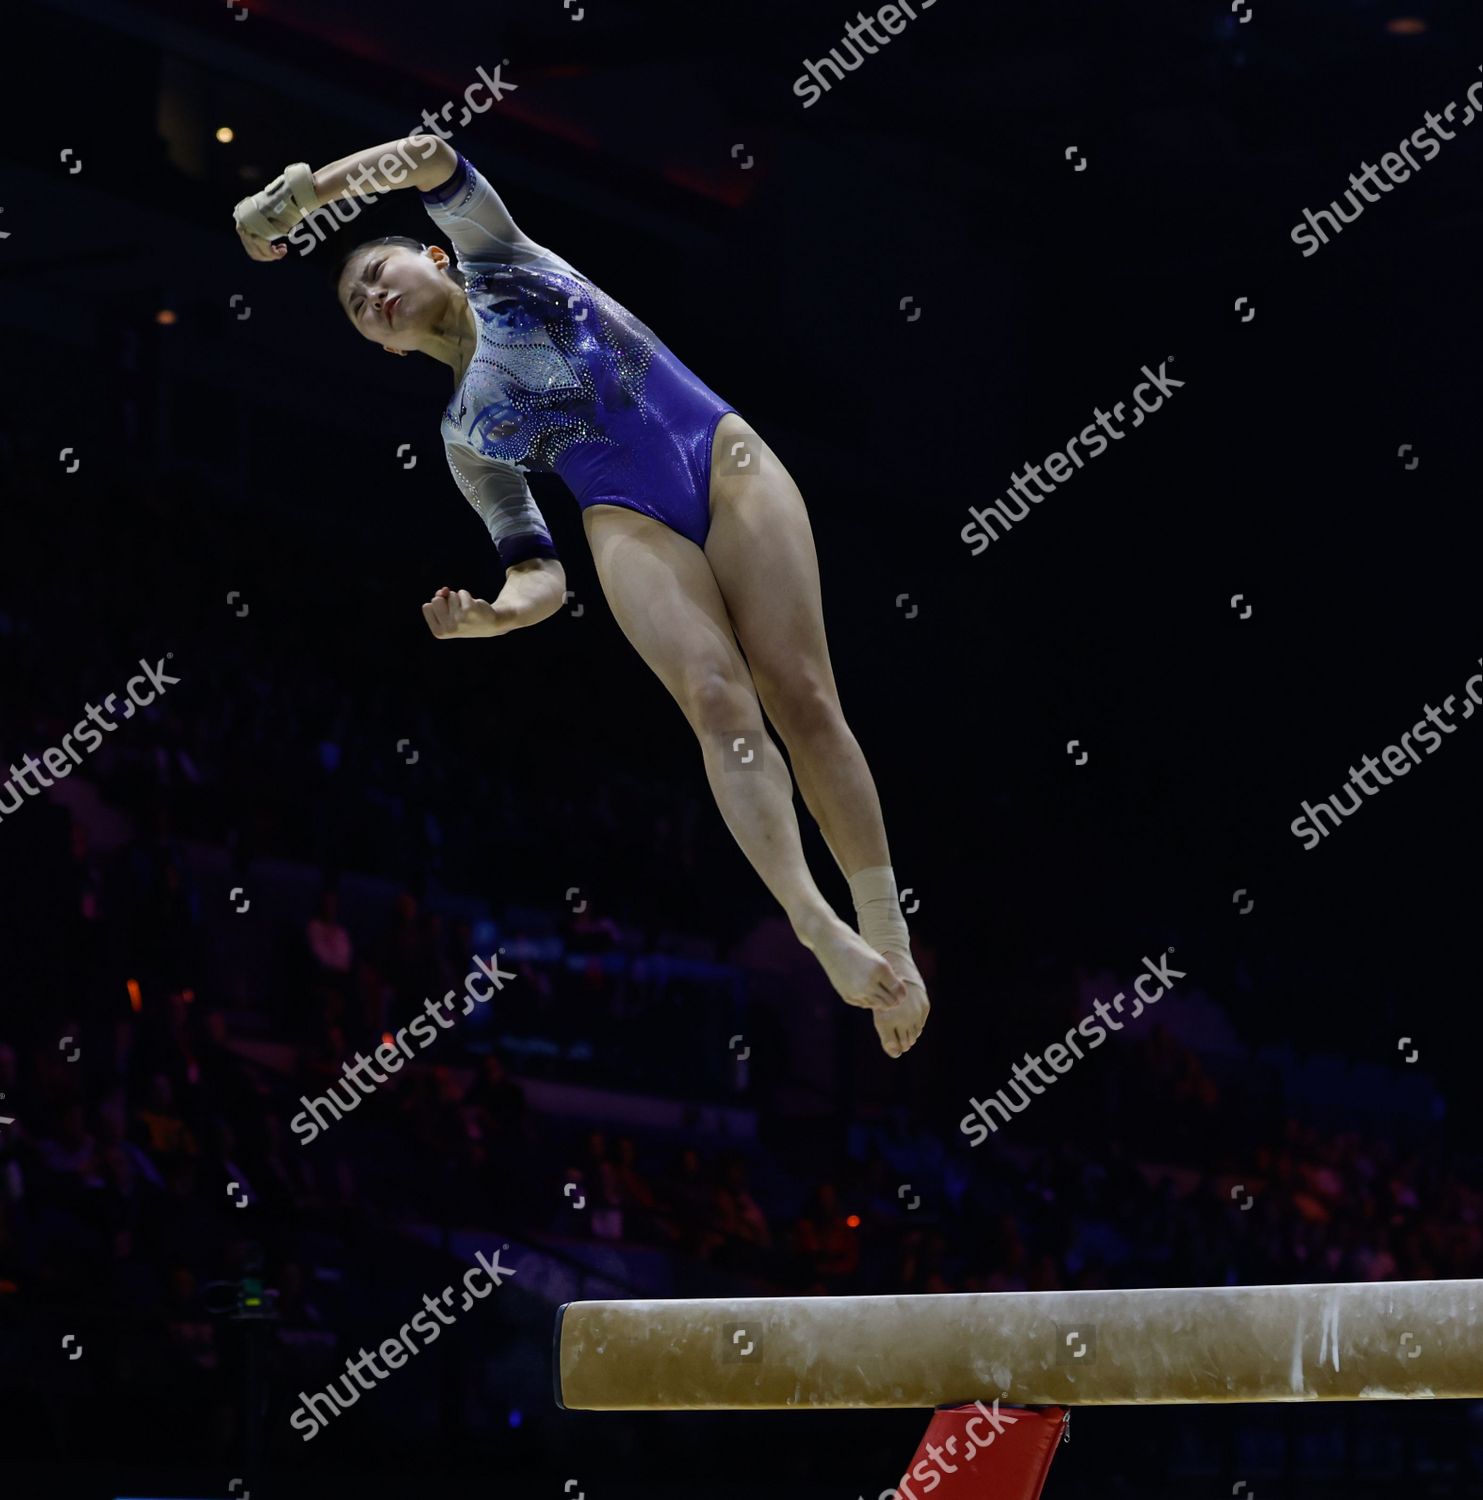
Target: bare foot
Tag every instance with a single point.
(899, 1027)
(860, 974)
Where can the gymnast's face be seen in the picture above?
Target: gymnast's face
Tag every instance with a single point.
(397, 296)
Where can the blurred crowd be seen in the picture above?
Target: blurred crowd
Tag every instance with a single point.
(138, 1116)
(114, 1167)
(151, 1066)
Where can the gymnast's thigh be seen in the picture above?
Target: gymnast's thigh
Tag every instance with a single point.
(665, 599)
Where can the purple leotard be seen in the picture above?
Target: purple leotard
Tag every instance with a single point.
(564, 380)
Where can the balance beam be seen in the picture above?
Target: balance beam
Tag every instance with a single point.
(1395, 1340)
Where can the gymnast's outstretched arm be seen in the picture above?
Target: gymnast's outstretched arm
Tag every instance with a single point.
(423, 162)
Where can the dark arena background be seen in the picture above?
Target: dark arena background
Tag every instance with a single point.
(1092, 735)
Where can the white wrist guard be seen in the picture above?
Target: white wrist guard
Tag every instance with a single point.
(274, 211)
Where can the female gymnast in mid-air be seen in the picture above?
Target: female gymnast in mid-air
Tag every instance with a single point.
(701, 540)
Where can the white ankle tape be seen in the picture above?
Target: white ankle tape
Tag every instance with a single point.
(878, 908)
(876, 883)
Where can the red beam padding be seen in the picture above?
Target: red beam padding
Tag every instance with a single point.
(984, 1452)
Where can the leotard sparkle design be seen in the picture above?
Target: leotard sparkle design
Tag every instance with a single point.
(564, 379)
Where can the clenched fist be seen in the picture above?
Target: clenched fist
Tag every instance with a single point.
(263, 219)
(454, 614)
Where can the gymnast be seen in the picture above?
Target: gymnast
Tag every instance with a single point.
(700, 537)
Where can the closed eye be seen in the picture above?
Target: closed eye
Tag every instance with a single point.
(372, 272)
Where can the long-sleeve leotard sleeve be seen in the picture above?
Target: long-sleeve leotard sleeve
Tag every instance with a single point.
(499, 492)
(475, 218)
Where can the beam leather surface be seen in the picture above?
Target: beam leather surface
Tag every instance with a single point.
(1414, 1340)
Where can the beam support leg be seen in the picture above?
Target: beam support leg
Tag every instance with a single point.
(983, 1452)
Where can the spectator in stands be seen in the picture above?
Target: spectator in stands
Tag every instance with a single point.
(331, 954)
(72, 1153)
(15, 1099)
(604, 1190)
(165, 1131)
(740, 1219)
(495, 1105)
(403, 965)
(635, 1193)
(287, 1177)
(137, 1166)
(688, 1201)
(295, 1305)
(168, 929)
(828, 1247)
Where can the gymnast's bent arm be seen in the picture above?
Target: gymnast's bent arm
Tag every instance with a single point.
(423, 162)
(533, 591)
